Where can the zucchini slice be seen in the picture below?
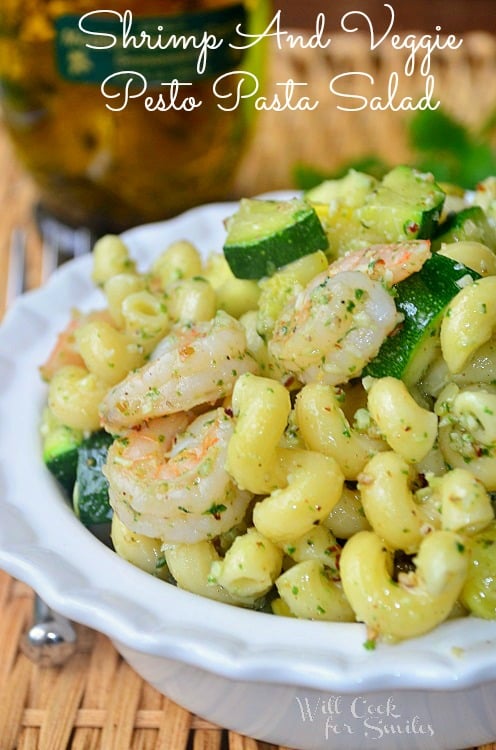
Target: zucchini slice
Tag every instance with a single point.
(350, 190)
(60, 450)
(90, 497)
(468, 224)
(422, 298)
(406, 204)
(264, 235)
(361, 211)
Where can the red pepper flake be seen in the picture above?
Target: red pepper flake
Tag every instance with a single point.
(186, 351)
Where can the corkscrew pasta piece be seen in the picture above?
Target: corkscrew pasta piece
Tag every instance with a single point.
(467, 430)
(110, 257)
(476, 410)
(180, 260)
(261, 407)
(142, 551)
(74, 397)
(145, 319)
(324, 428)
(389, 503)
(480, 369)
(479, 591)
(191, 301)
(107, 352)
(348, 516)
(472, 254)
(409, 429)
(309, 591)
(237, 296)
(65, 350)
(250, 566)
(217, 270)
(465, 504)
(419, 600)
(190, 566)
(433, 465)
(313, 486)
(469, 322)
(317, 544)
(117, 288)
(304, 485)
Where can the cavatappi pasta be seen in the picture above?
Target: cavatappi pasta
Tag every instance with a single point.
(256, 458)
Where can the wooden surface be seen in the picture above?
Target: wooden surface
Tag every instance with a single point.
(96, 702)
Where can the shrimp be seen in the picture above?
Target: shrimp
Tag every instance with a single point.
(387, 263)
(176, 489)
(333, 328)
(191, 366)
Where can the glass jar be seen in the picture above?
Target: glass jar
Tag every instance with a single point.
(90, 102)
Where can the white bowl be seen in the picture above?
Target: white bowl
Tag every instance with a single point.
(302, 684)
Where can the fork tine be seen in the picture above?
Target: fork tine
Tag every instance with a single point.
(16, 280)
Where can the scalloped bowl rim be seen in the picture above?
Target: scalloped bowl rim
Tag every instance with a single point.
(82, 579)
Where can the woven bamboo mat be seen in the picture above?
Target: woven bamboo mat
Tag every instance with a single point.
(96, 701)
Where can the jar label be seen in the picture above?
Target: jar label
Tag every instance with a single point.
(187, 47)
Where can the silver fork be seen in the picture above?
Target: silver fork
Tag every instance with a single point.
(51, 638)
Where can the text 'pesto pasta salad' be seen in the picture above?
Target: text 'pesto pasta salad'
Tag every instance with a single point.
(304, 423)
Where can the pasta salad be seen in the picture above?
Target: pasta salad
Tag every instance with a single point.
(304, 423)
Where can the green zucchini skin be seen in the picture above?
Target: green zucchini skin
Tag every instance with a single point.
(406, 204)
(470, 224)
(76, 463)
(265, 235)
(63, 468)
(422, 299)
(60, 451)
(90, 496)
